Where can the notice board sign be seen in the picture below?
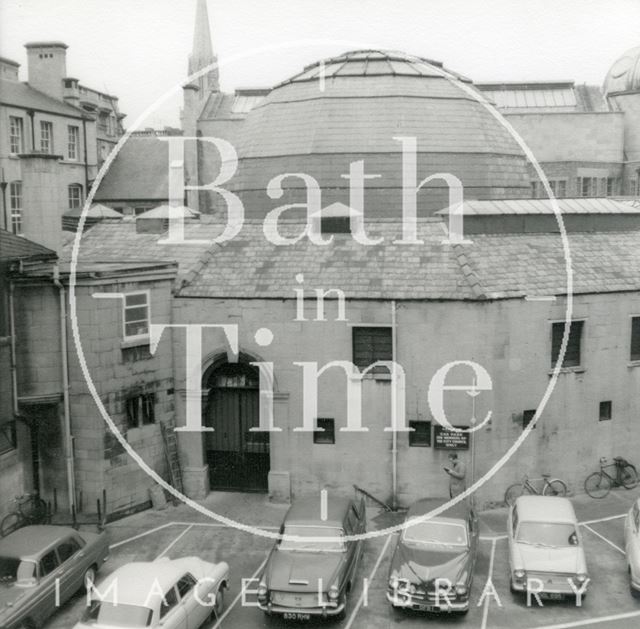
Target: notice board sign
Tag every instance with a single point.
(445, 439)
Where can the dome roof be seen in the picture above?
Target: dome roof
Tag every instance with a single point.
(355, 107)
(624, 75)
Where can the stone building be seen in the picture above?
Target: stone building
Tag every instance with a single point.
(54, 135)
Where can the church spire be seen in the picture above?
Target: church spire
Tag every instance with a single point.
(202, 53)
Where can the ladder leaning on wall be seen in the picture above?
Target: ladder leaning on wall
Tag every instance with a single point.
(170, 441)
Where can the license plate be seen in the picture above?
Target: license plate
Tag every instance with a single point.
(552, 596)
(296, 616)
(428, 608)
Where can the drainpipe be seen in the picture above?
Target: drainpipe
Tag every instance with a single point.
(68, 438)
(394, 433)
(14, 364)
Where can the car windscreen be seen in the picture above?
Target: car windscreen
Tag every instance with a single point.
(436, 533)
(553, 534)
(17, 571)
(120, 615)
(314, 539)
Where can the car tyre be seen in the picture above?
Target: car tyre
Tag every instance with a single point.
(89, 578)
(218, 606)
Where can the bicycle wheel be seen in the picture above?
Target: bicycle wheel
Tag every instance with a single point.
(597, 485)
(628, 476)
(10, 523)
(513, 492)
(555, 487)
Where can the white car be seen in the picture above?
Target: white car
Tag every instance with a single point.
(546, 553)
(632, 546)
(168, 593)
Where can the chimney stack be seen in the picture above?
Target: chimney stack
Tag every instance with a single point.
(47, 64)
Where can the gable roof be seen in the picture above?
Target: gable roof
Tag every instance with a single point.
(140, 172)
(14, 247)
(23, 95)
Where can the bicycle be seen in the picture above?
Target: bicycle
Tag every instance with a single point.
(599, 484)
(30, 509)
(553, 487)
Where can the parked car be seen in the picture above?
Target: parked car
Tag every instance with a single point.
(632, 546)
(33, 559)
(169, 593)
(546, 553)
(305, 574)
(432, 564)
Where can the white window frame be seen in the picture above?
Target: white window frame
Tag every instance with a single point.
(16, 134)
(135, 337)
(16, 206)
(73, 142)
(46, 139)
(71, 202)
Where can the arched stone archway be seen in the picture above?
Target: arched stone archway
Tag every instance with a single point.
(238, 458)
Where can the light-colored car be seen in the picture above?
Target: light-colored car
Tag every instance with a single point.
(632, 546)
(546, 553)
(41, 567)
(168, 593)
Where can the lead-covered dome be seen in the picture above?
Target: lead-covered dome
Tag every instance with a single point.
(624, 75)
(350, 108)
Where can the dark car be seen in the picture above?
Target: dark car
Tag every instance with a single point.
(306, 574)
(41, 567)
(432, 565)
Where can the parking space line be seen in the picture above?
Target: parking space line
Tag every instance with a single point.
(604, 539)
(224, 526)
(174, 542)
(135, 537)
(608, 519)
(590, 621)
(371, 575)
(243, 589)
(487, 600)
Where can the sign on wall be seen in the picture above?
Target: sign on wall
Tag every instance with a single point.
(444, 439)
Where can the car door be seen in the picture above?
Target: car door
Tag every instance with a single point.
(632, 540)
(43, 603)
(195, 610)
(474, 531)
(172, 611)
(70, 572)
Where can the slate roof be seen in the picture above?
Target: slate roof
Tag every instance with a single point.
(491, 266)
(23, 95)
(14, 247)
(543, 206)
(140, 172)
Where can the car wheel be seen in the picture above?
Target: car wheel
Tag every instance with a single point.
(89, 578)
(218, 606)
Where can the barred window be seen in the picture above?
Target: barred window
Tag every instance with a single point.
(15, 203)
(421, 435)
(75, 196)
(325, 431)
(140, 410)
(16, 134)
(136, 315)
(604, 414)
(572, 355)
(46, 137)
(372, 344)
(635, 338)
(73, 142)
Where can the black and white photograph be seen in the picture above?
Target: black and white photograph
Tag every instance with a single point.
(319, 313)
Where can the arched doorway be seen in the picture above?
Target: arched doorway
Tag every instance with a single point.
(238, 458)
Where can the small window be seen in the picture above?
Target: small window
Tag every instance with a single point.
(635, 338)
(16, 135)
(572, 355)
(48, 563)
(67, 549)
(185, 585)
(170, 601)
(421, 435)
(136, 315)
(370, 345)
(325, 431)
(46, 137)
(605, 411)
(15, 203)
(335, 225)
(527, 418)
(140, 410)
(75, 196)
(8, 439)
(73, 142)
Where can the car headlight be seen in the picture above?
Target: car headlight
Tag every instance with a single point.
(333, 593)
(262, 592)
(412, 589)
(461, 589)
(519, 574)
(581, 578)
(393, 583)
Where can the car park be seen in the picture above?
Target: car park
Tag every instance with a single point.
(170, 593)
(632, 546)
(312, 567)
(434, 558)
(43, 566)
(546, 552)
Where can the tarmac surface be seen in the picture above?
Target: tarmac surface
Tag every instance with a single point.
(178, 531)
